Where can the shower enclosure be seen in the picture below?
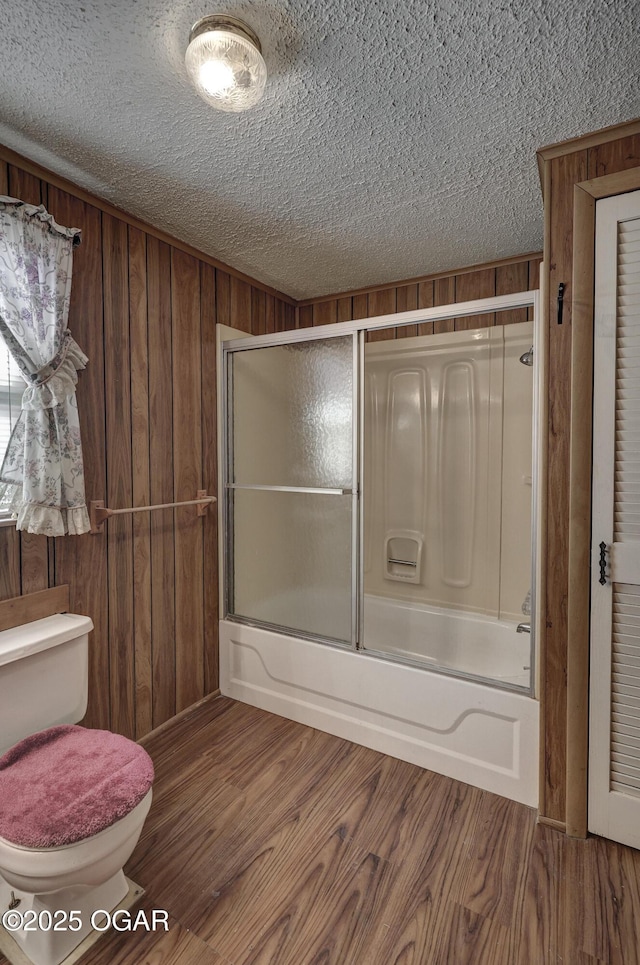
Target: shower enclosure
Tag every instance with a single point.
(447, 496)
(378, 559)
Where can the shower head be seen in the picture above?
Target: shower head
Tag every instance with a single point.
(527, 357)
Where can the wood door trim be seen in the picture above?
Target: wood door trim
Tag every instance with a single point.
(552, 823)
(578, 606)
(604, 136)
(543, 451)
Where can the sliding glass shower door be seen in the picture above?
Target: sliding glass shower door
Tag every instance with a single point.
(291, 487)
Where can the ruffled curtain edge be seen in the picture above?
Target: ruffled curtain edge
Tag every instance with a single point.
(42, 520)
(40, 213)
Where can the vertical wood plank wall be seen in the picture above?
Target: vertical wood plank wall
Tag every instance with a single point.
(144, 312)
(561, 174)
(461, 286)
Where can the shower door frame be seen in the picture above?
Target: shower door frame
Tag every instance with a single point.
(226, 505)
(358, 328)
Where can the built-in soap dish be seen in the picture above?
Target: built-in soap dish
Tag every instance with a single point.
(403, 557)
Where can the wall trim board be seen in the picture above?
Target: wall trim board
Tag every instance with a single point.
(33, 606)
(552, 823)
(541, 645)
(541, 169)
(499, 263)
(561, 175)
(578, 605)
(12, 157)
(580, 512)
(583, 141)
(611, 184)
(172, 721)
(542, 443)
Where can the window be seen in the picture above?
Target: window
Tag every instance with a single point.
(11, 389)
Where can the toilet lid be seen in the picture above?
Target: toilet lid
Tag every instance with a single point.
(67, 783)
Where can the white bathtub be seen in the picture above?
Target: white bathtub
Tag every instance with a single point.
(465, 729)
(451, 639)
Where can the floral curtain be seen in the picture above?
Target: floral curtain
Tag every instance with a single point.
(41, 477)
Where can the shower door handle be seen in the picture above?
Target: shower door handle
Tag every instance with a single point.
(603, 563)
(317, 490)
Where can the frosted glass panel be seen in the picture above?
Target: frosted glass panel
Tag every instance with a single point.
(292, 411)
(292, 561)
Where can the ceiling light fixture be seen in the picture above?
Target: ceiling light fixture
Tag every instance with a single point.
(224, 61)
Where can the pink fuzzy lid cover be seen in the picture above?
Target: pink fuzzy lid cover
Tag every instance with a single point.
(67, 783)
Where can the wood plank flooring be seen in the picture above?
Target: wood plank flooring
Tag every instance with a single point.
(269, 843)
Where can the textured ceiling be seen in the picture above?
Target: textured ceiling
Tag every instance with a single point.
(395, 138)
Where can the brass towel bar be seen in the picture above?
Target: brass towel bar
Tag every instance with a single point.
(99, 513)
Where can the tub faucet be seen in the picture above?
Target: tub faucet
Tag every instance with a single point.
(523, 628)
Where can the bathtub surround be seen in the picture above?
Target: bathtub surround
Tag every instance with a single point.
(466, 730)
(448, 471)
(458, 641)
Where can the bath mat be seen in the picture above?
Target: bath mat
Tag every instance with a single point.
(67, 783)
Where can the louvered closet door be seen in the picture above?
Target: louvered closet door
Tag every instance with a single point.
(614, 755)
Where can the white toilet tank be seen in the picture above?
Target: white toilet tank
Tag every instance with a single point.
(43, 675)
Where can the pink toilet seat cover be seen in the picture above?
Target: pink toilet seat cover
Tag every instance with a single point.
(67, 783)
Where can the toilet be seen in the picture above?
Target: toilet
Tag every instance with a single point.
(72, 800)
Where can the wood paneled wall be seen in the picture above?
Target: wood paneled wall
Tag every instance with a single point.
(484, 281)
(562, 167)
(144, 310)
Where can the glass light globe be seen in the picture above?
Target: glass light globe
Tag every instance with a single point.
(216, 77)
(225, 64)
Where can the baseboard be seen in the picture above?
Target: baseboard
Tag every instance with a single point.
(552, 823)
(174, 720)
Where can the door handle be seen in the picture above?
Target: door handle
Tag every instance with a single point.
(561, 288)
(603, 563)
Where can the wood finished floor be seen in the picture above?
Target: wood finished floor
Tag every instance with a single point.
(270, 843)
